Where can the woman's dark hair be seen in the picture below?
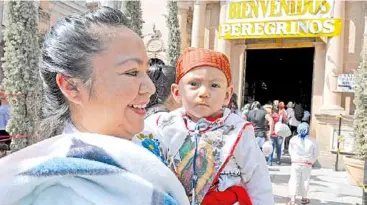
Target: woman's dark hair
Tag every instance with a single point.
(163, 77)
(255, 104)
(233, 102)
(4, 147)
(68, 50)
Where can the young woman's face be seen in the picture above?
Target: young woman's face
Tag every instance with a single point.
(120, 90)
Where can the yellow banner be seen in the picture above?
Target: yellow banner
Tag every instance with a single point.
(281, 28)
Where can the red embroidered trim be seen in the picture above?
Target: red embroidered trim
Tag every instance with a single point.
(230, 155)
(157, 121)
(212, 119)
(202, 131)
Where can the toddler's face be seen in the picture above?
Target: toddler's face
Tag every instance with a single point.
(203, 91)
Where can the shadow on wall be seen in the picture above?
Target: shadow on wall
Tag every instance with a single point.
(354, 28)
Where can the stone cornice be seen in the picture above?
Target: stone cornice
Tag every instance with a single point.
(70, 6)
(334, 120)
(184, 5)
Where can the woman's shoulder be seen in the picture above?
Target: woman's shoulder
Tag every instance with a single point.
(91, 156)
(88, 188)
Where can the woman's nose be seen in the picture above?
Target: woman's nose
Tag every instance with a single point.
(148, 86)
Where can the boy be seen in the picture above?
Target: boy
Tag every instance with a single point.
(212, 150)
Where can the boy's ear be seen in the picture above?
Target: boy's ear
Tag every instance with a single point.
(229, 94)
(175, 93)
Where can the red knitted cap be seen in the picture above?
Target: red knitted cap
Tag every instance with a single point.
(196, 57)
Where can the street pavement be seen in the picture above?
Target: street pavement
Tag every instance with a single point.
(326, 186)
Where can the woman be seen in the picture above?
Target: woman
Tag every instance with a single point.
(95, 85)
(304, 152)
(233, 106)
(245, 110)
(293, 124)
(161, 102)
(282, 112)
(259, 118)
(277, 140)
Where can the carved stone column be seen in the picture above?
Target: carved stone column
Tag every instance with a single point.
(334, 66)
(182, 20)
(198, 25)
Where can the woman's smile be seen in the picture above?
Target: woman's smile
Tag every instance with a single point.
(138, 108)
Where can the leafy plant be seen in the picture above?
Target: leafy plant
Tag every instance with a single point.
(132, 10)
(360, 100)
(174, 38)
(21, 79)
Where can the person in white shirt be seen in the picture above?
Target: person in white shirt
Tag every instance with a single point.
(292, 122)
(212, 150)
(304, 152)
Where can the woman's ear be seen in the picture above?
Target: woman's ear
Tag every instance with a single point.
(70, 88)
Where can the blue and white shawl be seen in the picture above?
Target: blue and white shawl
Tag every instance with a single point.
(86, 169)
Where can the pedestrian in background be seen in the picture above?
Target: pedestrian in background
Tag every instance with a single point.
(277, 140)
(245, 110)
(259, 118)
(233, 106)
(292, 123)
(304, 152)
(4, 118)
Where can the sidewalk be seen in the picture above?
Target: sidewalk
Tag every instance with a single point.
(326, 187)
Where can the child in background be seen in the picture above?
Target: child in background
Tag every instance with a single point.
(304, 152)
(212, 150)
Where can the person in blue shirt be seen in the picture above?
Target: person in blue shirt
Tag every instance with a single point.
(4, 118)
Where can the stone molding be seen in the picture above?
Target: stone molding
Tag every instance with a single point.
(68, 7)
(325, 119)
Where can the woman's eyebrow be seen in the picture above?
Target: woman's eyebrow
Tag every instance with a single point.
(128, 59)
